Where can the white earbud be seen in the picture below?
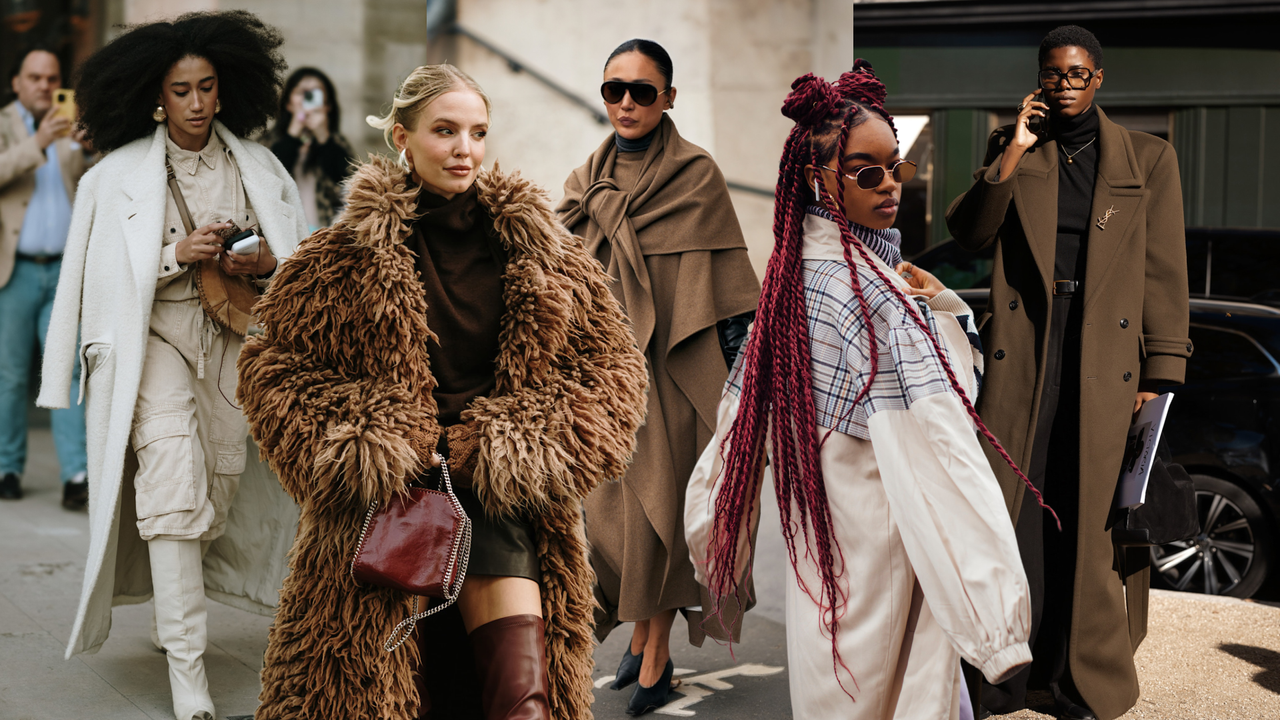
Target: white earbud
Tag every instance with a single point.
(816, 194)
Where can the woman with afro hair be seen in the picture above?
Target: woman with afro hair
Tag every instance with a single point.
(162, 307)
(855, 383)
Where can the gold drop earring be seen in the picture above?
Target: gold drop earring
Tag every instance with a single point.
(217, 106)
(159, 115)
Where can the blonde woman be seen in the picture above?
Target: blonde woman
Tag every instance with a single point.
(408, 329)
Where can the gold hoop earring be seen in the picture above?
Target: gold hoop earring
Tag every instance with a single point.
(217, 106)
(159, 115)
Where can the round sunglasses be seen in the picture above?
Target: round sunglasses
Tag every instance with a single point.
(642, 93)
(871, 176)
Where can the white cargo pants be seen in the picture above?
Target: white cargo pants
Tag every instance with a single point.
(188, 433)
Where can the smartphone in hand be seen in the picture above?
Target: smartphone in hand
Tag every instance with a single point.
(64, 104)
(313, 99)
(244, 242)
(1035, 123)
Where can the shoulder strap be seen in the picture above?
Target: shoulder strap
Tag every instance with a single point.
(177, 198)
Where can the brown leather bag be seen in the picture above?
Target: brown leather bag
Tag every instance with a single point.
(228, 299)
(418, 543)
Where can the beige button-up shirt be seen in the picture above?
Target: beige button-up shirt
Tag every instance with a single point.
(209, 180)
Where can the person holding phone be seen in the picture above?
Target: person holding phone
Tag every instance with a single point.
(1088, 316)
(41, 162)
(172, 104)
(307, 141)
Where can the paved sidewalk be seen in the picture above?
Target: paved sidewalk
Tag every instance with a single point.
(42, 553)
(1204, 658)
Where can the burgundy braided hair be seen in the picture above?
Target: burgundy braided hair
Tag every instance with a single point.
(776, 398)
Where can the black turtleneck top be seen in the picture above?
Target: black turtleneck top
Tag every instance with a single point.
(637, 145)
(460, 263)
(1076, 137)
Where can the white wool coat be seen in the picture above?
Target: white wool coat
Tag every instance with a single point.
(104, 297)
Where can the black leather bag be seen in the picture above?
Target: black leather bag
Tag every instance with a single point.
(1169, 513)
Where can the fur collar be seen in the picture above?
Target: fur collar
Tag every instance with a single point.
(382, 205)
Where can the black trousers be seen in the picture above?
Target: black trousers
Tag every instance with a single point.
(1049, 556)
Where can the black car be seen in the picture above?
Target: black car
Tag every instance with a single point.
(1222, 429)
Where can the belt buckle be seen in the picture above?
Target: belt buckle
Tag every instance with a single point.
(1063, 288)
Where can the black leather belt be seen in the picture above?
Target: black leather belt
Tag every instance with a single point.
(39, 259)
(1065, 287)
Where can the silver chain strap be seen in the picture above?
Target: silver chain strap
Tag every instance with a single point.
(459, 556)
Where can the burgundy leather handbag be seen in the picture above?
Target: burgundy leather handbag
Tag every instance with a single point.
(418, 543)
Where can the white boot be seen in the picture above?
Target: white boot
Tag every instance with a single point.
(155, 632)
(181, 619)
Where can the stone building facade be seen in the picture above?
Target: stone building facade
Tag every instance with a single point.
(734, 61)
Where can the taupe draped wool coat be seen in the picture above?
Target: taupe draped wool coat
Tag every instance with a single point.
(678, 265)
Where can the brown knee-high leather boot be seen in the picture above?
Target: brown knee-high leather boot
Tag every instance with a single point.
(511, 661)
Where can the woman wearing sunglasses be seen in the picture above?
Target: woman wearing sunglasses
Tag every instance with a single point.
(855, 384)
(655, 211)
(1088, 317)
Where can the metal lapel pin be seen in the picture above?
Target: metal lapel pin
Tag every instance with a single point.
(1102, 221)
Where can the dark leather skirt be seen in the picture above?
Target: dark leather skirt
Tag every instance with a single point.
(499, 546)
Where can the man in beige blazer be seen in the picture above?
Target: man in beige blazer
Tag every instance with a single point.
(40, 165)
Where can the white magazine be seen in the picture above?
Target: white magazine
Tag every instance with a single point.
(1140, 450)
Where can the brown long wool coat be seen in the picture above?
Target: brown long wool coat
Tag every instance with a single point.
(339, 378)
(680, 265)
(1134, 328)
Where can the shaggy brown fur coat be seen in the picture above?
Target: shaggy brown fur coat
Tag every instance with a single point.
(340, 377)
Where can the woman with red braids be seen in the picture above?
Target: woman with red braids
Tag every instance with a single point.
(856, 383)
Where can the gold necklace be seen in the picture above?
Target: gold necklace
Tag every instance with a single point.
(1071, 155)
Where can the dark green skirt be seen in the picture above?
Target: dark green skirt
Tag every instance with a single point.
(499, 546)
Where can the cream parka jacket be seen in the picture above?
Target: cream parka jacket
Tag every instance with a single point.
(931, 570)
(105, 291)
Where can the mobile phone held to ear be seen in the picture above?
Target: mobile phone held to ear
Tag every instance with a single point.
(244, 242)
(1036, 123)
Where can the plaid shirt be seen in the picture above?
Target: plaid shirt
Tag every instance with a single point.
(908, 367)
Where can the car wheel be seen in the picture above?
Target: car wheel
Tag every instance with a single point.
(1231, 554)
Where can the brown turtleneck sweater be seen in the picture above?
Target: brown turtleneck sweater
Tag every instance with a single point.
(460, 264)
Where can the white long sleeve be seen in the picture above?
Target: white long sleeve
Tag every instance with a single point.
(700, 500)
(947, 505)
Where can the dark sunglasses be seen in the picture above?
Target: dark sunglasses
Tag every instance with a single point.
(871, 176)
(642, 93)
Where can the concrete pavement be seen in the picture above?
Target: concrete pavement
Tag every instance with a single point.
(1203, 659)
(42, 555)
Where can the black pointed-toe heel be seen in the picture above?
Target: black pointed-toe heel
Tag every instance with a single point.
(1068, 710)
(645, 699)
(628, 669)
